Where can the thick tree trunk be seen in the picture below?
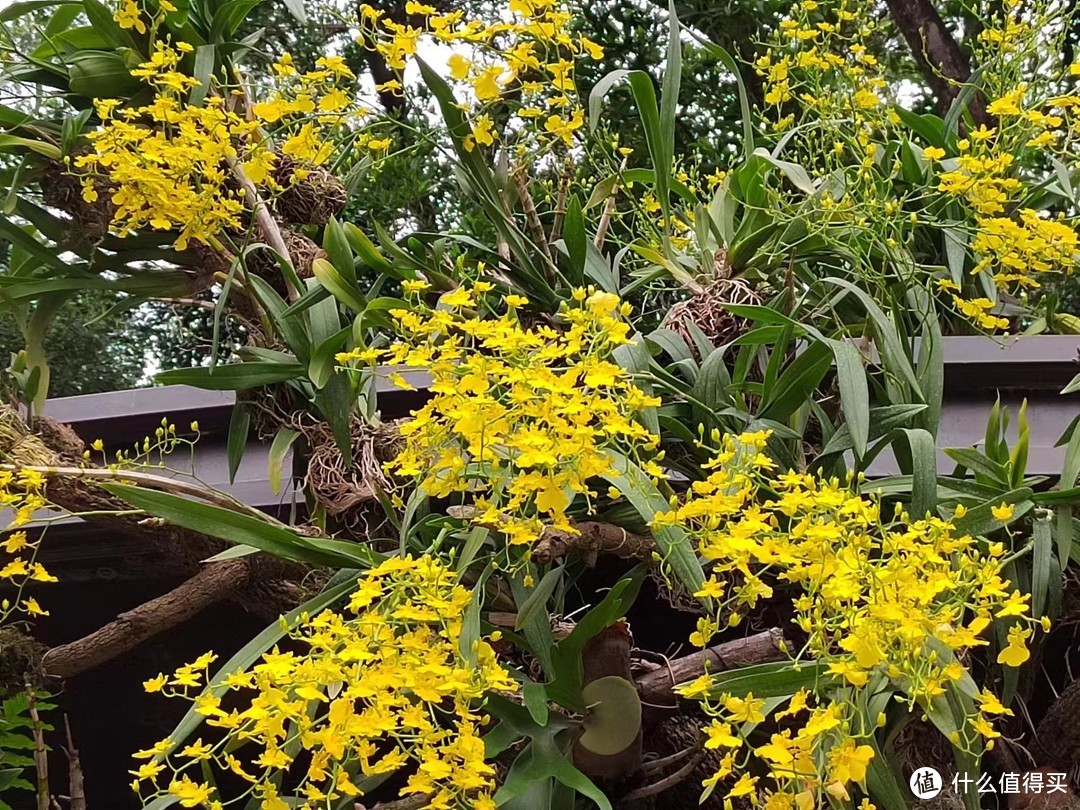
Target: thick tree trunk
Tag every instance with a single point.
(937, 54)
(1057, 739)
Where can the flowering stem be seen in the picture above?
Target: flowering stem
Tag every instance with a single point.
(155, 481)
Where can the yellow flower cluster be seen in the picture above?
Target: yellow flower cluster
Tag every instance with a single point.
(317, 101)
(822, 83)
(878, 600)
(1015, 245)
(21, 492)
(521, 418)
(819, 59)
(385, 687)
(170, 162)
(525, 60)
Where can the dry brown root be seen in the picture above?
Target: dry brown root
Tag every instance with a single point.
(310, 195)
(62, 188)
(676, 763)
(341, 487)
(707, 310)
(20, 662)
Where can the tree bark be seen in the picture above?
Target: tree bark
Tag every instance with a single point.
(214, 583)
(594, 539)
(943, 64)
(656, 687)
(1057, 738)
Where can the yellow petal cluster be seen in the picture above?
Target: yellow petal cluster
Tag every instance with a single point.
(21, 492)
(383, 686)
(877, 599)
(524, 62)
(521, 418)
(169, 163)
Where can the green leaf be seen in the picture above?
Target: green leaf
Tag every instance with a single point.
(101, 18)
(537, 630)
(576, 239)
(8, 142)
(205, 59)
(537, 600)
(924, 471)
(1041, 562)
(296, 8)
(711, 388)
(15, 10)
(534, 696)
(796, 383)
(239, 426)
(889, 345)
(241, 529)
(234, 377)
(336, 245)
(278, 450)
(565, 657)
(601, 191)
(324, 358)
(881, 782)
(980, 520)
(367, 251)
(470, 625)
(541, 760)
(100, 74)
(975, 461)
(854, 392)
(792, 171)
(341, 289)
(772, 680)
(613, 720)
(669, 94)
(675, 546)
(1071, 467)
(882, 420)
(288, 326)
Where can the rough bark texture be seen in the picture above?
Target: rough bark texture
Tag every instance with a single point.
(939, 57)
(595, 539)
(214, 583)
(1057, 739)
(656, 687)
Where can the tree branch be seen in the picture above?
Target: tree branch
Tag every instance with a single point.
(940, 59)
(214, 583)
(268, 226)
(657, 687)
(594, 539)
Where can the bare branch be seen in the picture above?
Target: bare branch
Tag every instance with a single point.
(657, 687)
(214, 583)
(594, 539)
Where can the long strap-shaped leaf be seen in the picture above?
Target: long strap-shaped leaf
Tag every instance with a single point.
(674, 544)
(241, 529)
(482, 181)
